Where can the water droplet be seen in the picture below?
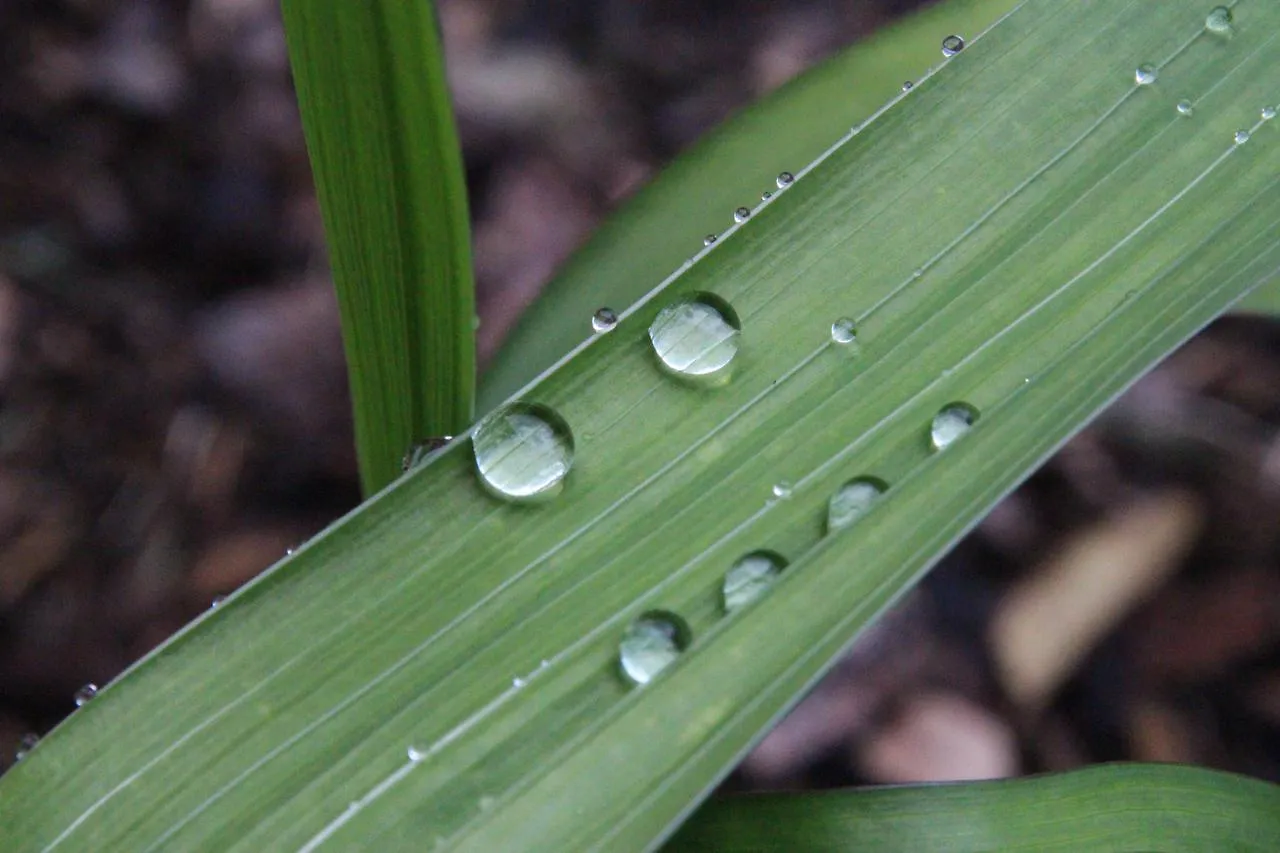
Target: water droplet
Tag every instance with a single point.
(1241, 137)
(416, 455)
(852, 501)
(696, 337)
(518, 682)
(785, 179)
(523, 452)
(1268, 113)
(766, 195)
(217, 599)
(26, 743)
(750, 578)
(708, 240)
(742, 214)
(782, 489)
(951, 45)
(1145, 75)
(907, 86)
(84, 694)
(604, 320)
(843, 331)
(953, 421)
(1185, 108)
(290, 551)
(1219, 21)
(651, 644)
(416, 753)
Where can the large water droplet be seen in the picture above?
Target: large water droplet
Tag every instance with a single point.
(696, 337)
(26, 743)
(843, 331)
(523, 452)
(952, 422)
(951, 45)
(785, 179)
(1219, 21)
(1241, 137)
(604, 320)
(651, 644)
(742, 214)
(84, 694)
(852, 501)
(1185, 108)
(1145, 75)
(750, 578)
(416, 456)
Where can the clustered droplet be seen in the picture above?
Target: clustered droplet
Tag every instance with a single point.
(742, 214)
(523, 452)
(951, 45)
(952, 422)
(84, 694)
(750, 578)
(604, 320)
(651, 644)
(1145, 75)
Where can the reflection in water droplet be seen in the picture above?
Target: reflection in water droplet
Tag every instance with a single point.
(907, 86)
(952, 422)
(697, 336)
(742, 214)
(650, 645)
(708, 240)
(1185, 108)
(782, 489)
(1241, 137)
(26, 743)
(750, 578)
(1218, 21)
(1145, 75)
(852, 501)
(951, 45)
(604, 320)
(523, 452)
(843, 331)
(416, 456)
(1268, 113)
(785, 179)
(84, 694)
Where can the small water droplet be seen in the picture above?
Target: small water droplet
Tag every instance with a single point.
(523, 452)
(1267, 113)
(852, 501)
(696, 337)
(766, 195)
(785, 179)
(1185, 108)
(750, 578)
(84, 694)
(843, 331)
(782, 489)
(217, 599)
(1145, 75)
(416, 753)
(1241, 137)
(604, 320)
(1219, 21)
(907, 86)
(518, 682)
(651, 644)
(708, 240)
(951, 45)
(417, 454)
(953, 421)
(742, 214)
(26, 743)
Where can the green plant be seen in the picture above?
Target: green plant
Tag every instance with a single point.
(1015, 241)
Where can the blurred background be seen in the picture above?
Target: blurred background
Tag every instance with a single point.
(173, 410)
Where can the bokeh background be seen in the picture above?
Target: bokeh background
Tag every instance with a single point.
(173, 410)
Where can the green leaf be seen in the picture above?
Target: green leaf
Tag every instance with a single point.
(379, 128)
(665, 223)
(1025, 232)
(1117, 807)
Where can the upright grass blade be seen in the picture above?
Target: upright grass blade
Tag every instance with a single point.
(1114, 808)
(379, 128)
(1020, 236)
(665, 223)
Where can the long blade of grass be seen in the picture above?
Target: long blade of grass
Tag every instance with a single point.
(384, 151)
(667, 220)
(1025, 232)
(1107, 809)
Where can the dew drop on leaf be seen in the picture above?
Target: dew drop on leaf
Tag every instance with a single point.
(785, 179)
(696, 337)
(782, 490)
(708, 240)
(852, 501)
(907, 86)
(953, 421)
(750, 578)
(1185, 108)
(650, 645)
(1241, 137)
(1145, 75)
(843, 331)
(766, 195)
(951, 45)
(604, 320)
(523, 452)
(742, 214)
(1268, 113)
(1219, 21)
(84, 694)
